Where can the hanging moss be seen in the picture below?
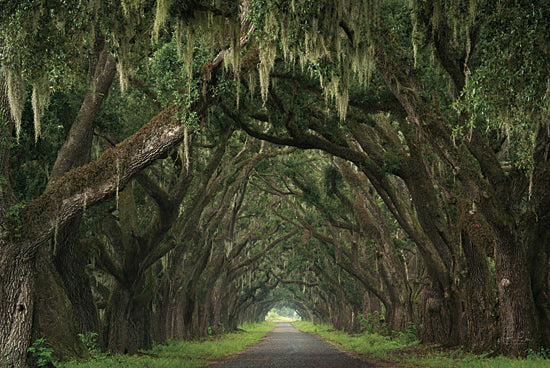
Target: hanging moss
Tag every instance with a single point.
(161, 16)
(338, 92)
(40, 100)
(16, 97)
(414, 33)
(117, 190)
(232, 60)
(267, 62)
(188, 58)
(123, 76)
(186, 148)
(311, 35)
(252, 83)
(285, 31)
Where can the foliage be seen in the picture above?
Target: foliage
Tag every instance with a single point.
(13, 215)
(508, 91)
(373, 323)
(542, 353)
(40, 354)
(90, 340)
(409, 336)
(185, 101)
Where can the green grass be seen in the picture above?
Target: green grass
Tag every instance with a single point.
(181, 354)
(414, 354)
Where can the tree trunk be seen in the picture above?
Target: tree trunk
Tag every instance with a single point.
(53, 313)
(16, 306)
(433, 315)
(477, 320)
(370, 303)
(187, 313)
(69, 257)
(537, 239)
(517, 312)
(399, 311)
(70, 262)
(128, 322)
(539, 267)
(218, 304)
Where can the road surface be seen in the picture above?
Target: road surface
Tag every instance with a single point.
(286, 346)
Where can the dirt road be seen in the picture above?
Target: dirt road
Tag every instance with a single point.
(286, 346)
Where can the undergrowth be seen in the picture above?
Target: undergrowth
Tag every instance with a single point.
(400, 349)
(180, 354)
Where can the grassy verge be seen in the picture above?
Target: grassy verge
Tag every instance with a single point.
(181, 354)
(414, 354)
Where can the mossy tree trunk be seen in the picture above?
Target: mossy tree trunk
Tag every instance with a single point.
(71, 260)
(373, 222)
(182, 277)
(127, 316)
(71, 255)
(78, 188)
(518, 318)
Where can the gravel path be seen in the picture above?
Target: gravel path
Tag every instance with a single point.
(286, 346)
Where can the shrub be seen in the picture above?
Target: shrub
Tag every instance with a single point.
(373, 323)
(39, 353)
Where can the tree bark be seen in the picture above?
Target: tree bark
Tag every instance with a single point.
(54, 315)
(16, 305)
(71, 260)
(517, 312)
(536, 223)
(477, 319)
(128, 321)
(433, 314)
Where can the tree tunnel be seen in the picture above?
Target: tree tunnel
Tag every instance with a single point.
(170, 171)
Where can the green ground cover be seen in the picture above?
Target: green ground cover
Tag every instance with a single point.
(181, 354)
(407, 352)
